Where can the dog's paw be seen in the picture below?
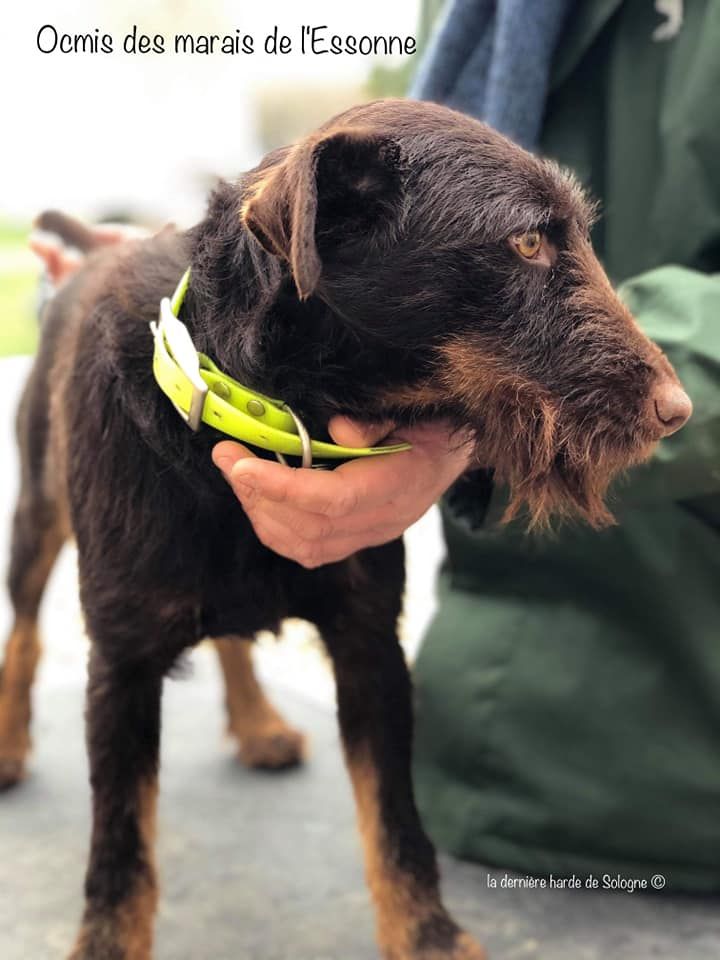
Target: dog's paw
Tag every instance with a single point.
(12, 762)
(12, 771)
(92, 947)
(109, 937)
(468, 949)
(464, 948)
(275, 748)
(91, 950)
(14, 746)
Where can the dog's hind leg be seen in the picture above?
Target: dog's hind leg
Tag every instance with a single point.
(36, 541)
(375, 714)
(265, 739)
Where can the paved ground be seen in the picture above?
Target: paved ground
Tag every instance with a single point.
(265, 867)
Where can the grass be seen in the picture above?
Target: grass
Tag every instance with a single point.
(18, 326)
(13, 235)
(18, 292)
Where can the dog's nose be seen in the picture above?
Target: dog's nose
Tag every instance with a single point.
(672, 406)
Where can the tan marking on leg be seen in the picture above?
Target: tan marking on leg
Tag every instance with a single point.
(22, 653)
(464, 948)
(401, 908)
(126, 933)
(21, 656)
(394, 902)
(264, 736)
(136, 915)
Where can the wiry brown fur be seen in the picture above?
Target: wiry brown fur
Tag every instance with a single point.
(547, 365)
(370, 271)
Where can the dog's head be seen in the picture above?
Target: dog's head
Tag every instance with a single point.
(464, 265)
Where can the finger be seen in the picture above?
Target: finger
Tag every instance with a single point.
(310, 554)
(58, 261)
(311, 490)
(339, 548)
(227, 453)
(358, 484)
(301, 524)
(41, 246)
(276, 536)
(273, 533)
(351, 433)
(318, 526)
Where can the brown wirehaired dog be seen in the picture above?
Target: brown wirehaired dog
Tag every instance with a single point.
(402, 263)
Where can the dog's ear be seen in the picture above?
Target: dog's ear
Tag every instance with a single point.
(346, 180)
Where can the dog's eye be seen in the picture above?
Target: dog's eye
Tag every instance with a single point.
(528, 244)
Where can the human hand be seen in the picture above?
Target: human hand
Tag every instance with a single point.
(316, 517)
(61, 262)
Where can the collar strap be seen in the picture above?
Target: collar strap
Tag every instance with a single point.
(202, 393)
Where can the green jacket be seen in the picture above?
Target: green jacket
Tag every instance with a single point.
(569, 688)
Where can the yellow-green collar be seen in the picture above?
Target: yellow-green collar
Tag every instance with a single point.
(201, 393)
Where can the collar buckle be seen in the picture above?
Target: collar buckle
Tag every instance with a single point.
(173, 340)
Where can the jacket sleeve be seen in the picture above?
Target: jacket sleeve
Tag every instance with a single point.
(680, 310)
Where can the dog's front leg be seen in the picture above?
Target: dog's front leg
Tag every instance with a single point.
(123, 730)
(375, 714)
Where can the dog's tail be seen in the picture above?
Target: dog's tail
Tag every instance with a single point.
(72, 232)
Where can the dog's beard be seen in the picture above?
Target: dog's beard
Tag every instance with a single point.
(558, 457)
(554, 469)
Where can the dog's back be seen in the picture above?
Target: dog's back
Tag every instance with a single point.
(74, 324)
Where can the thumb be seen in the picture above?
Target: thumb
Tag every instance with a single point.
(227, 453)
(350, 433)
